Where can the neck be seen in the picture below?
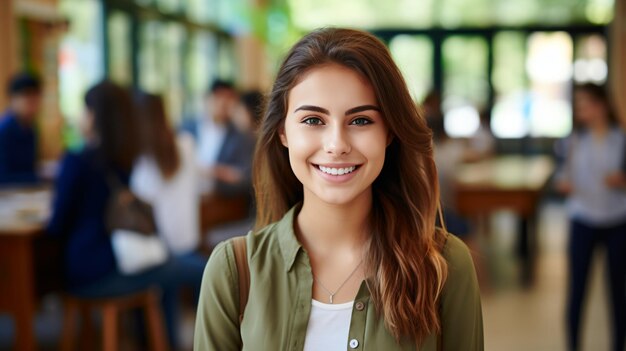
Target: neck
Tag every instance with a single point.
(327, 228)
(599, 129)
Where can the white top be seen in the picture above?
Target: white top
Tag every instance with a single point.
(210, 140)
(329, 326)
(589, 161)
(448, 156)
(175, 201)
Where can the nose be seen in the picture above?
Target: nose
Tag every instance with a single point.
(336, 141)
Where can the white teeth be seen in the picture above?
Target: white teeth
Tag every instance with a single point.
(337, 171)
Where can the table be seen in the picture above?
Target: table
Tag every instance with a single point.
(29, 261)
(506, 182)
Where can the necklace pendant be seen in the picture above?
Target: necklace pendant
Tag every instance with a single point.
(331, 299)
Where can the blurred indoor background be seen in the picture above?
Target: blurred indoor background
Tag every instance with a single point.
(506, 66)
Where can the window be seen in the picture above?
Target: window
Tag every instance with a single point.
(590, 59)
(200, 70)
(81, 63)
(466, 87)
(413, 55)
(120, 58)
(549, 68)
(510, 82)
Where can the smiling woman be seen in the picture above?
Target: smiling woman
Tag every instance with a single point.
(335, 135)
(346, 253)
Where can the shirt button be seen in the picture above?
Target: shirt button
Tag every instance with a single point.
(359, 306)
(354, 343)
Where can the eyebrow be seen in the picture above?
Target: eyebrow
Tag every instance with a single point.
(326, 112)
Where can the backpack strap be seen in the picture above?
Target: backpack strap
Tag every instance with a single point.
(241, 260)
(623, 168)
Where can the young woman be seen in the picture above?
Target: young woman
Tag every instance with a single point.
(165, 176)
(594, 178)
(347, 254)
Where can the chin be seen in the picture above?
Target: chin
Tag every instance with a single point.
(338, 198)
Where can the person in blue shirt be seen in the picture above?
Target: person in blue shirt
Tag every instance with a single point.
(223, 152)
(18, 141)
(593, 178)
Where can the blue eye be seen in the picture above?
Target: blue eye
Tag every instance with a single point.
(361, 121)
(312, 121)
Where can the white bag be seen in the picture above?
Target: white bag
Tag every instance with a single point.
(136, 252)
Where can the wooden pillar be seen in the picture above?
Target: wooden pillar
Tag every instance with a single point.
(43, 27)
(618, 57)
(8, 51)
(251, 56)
(254, 72)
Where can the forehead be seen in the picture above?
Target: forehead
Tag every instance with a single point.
(332, 85)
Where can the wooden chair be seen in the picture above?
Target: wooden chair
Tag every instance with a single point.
(148, 300)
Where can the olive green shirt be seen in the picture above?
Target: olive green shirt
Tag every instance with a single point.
(279, 303)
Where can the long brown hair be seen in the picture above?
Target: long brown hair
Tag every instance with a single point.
(157, 138)
(114, 124)
(404, 260)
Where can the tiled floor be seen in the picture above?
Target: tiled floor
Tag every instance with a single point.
(515, 318)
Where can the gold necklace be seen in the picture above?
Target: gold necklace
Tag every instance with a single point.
(332, 294)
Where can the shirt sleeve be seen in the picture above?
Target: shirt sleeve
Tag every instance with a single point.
(217, 318)
(461, 312)
(66, 190)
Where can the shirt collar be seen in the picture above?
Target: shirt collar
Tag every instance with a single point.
(287, 240)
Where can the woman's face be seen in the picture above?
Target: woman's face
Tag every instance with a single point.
(86, 126)
(335, 134)
(588, 110)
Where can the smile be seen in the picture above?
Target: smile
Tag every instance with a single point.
(337, 171)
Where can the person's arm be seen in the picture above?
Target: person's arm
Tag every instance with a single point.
(461, 312)
(66, 190)
(617, 179)
(217, 318)
(7, 154)
(562, 176)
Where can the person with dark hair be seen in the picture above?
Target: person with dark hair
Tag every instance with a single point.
(82, 194)
(18, 140)
(224, 154)
(593, 177)
(248, 112)
(345, 253)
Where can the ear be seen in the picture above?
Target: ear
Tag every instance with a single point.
(390, 138)
(283, 136)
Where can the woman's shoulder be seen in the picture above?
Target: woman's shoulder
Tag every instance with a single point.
(262, 246)
(75, 161)
(459, 259)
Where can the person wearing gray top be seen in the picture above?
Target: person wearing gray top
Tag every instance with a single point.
(594, 180)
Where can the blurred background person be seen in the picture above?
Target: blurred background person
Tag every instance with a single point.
(224, 154)
(248, 112)
(482, 143)
(449, 154)
(81, 196)
(18, 138)
(593, 179)
(246, 118)
(165, 176)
